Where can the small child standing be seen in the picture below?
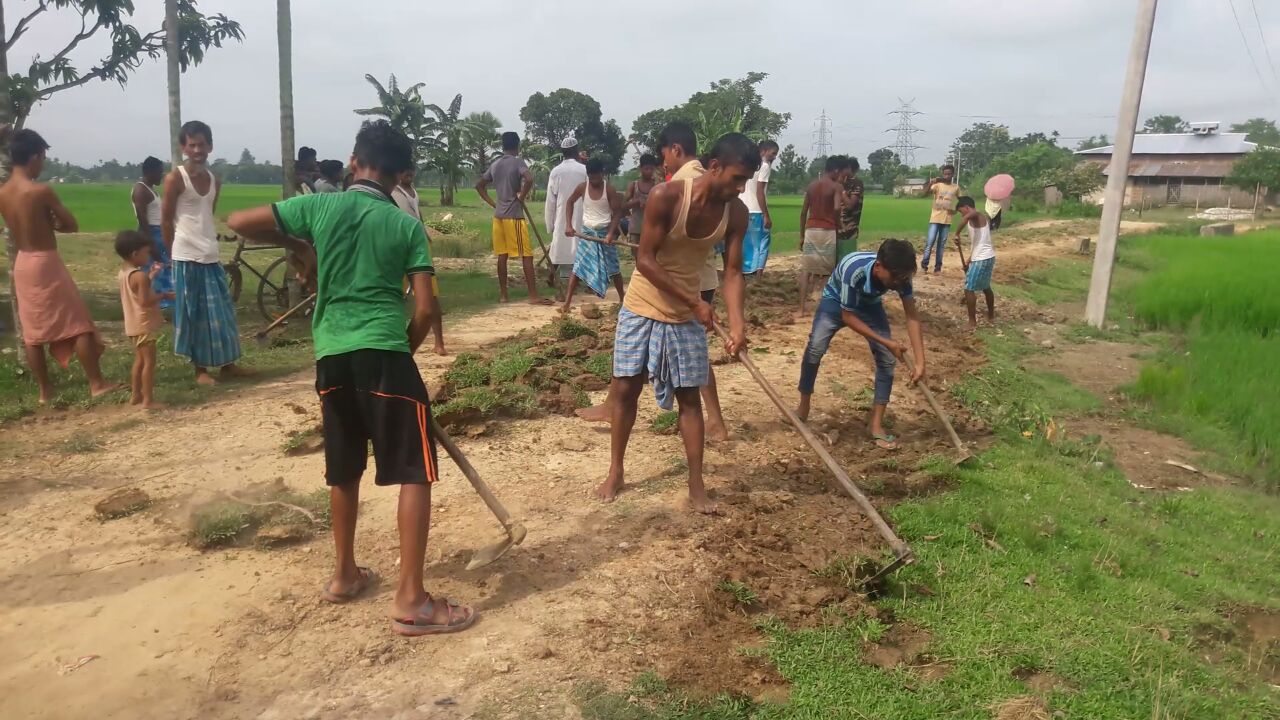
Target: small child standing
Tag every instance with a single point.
(982, 259)
(142, 318)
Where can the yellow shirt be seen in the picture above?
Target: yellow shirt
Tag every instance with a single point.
(944, 202)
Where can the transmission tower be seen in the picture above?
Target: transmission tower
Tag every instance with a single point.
(905, 144)
(822, 135)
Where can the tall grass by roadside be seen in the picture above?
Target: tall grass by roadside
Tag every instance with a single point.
(1220, 295)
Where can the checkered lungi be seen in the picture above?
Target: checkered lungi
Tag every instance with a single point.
(593, 263)
(978, 277)
(674, 354)
(204, 316)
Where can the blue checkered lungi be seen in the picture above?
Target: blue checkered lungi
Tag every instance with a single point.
(978, 277)
(204, 316)
(595, 264)
(163, 282)
(674, 354)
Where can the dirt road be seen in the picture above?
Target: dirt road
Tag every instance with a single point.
(597, 593)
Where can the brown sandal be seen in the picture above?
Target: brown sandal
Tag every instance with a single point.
(461, 617)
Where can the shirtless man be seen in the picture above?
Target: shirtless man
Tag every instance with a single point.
(662, 326)
(49, 305)
(823, 204)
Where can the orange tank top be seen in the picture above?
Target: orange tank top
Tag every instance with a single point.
(139, 318)
(683, 257)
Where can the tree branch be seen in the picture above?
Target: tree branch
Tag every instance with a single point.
(21, 27)
(95, 74)
(83, 35)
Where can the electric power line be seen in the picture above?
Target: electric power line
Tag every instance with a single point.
(1265, 47)
(1245, 40)
(905, 144)
(822, 135)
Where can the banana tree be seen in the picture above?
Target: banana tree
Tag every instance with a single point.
(444, 145)
(401, 107)
(710, 128)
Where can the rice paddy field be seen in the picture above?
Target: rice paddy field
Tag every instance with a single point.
(1216, 376)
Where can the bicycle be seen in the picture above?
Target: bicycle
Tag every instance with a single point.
(278, 289)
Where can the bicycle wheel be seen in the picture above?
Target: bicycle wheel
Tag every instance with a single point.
(235, 280)
(276, 293)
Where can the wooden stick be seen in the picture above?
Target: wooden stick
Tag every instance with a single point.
(900, 548)
(615, 243)
(937, 409)
(546, 254)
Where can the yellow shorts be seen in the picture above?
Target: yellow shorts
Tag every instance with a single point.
(150, 338)
(511, 237)
(435, 286)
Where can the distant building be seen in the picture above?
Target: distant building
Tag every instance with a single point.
(911, 187)
(1180, 169)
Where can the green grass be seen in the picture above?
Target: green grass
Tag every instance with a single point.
(1215, 382)
(105, 207)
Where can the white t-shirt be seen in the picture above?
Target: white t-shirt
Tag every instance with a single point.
(980, 247)
(749, 193)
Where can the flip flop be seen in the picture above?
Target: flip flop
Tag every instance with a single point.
(890, 441)
(463, 618)
(368, 578)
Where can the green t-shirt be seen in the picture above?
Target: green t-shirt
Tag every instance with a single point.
(365, 245)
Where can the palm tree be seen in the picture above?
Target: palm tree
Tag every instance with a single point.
(444, 143)
(284, 45)
(710, 128)
(173, 56)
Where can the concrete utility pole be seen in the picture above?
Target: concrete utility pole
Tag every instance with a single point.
(1104, 257)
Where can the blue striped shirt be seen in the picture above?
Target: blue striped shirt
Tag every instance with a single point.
(852, 285)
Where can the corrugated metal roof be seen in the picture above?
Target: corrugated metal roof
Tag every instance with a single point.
(1179, 168)
(1183, 144)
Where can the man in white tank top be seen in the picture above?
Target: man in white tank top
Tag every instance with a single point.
(593, 263)
(204, 316)
(982, 259)
(146, 207)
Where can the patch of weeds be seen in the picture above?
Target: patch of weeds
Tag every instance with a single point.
(665, 423)
(271, 518)
(743, 595)
(651, 698)
(469, 370)
(300, 442)
(600, 365)
(848, 570)
(511, 399)
(568, 329)
(79, 444)
(511, 366)
(580, 397)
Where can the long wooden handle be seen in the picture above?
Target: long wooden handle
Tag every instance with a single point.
(623, 243)
(495, 506)
(287, 314)
(937, 409)
(546, 254)
(900, 548)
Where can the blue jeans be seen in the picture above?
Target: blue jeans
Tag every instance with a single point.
(937, 238)
(827, 321)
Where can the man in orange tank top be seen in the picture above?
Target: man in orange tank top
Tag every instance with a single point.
(661, 332)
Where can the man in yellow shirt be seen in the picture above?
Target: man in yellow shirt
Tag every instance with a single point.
(945, 192)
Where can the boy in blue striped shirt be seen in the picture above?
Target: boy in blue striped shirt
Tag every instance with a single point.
(852, 299)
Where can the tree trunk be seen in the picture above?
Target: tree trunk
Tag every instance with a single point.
(284, 44)
(175, 79)
(6, 119)
(446, 197)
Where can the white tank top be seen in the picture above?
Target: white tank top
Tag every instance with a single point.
(596, 214)
(195, 237)
(153, 207)
(980, 243)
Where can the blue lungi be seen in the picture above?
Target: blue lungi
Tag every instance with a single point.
(204, 317)
(595, 264)
(755, 244)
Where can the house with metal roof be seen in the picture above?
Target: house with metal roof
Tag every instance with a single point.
(1180, 169)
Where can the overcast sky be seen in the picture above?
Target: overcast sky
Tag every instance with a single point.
(1029, 64)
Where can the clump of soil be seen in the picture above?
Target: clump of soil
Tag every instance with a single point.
(122, 503)
(546, 371)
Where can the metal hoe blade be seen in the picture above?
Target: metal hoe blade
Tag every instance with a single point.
(486, 555)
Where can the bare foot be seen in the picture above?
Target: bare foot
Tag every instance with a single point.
(45, 397)
(608, 490)
(595, 413)
(204, 378)
(235, 371)
(716, 433)
(702, 504)
(504, 299)
(439, 349)
(105, 388)
(153, 405)
(972, 326)
(541, 301)
(564, 310)
(135, 399)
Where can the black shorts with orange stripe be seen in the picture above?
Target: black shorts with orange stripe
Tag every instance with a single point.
(375, 397)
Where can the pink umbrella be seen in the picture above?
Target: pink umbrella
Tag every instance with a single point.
(999, 187)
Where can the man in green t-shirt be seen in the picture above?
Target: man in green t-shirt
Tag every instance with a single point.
(370, 389)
